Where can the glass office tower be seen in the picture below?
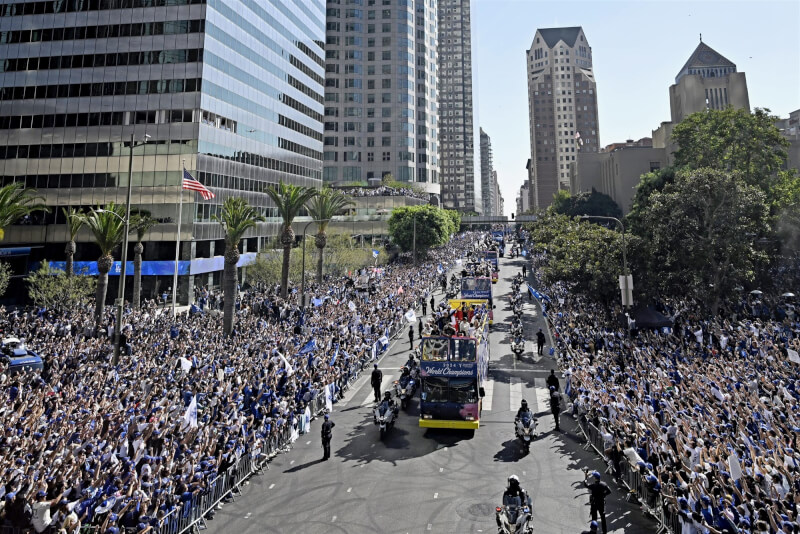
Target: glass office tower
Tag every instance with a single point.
(230, 89)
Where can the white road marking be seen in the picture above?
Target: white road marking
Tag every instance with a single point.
(542, 396)
(387, 380)
(247, 516)
(430, 526)
(441, 469)
(290, 463)
(333, 520)
(435, 495)
(349, 490)
(271, 486)
(488, 388)
(308, 442)
(515, 392)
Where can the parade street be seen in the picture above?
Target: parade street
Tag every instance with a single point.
(426, 480)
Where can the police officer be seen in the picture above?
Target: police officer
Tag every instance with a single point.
(552, 380)
(425, 307)
(433, 304)
(377, 378)
(327, 434)
(598, 491)
(539, 341)
(555, 405)
(411, 337)
(524, 271)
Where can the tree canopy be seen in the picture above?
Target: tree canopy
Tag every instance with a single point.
(585, 203)
(434, 226)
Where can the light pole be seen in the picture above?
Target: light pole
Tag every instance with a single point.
(624, 253)
(303, 274)
(127, 221)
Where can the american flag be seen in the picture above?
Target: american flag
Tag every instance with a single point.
(190, 183)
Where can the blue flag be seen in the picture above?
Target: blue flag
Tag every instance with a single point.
(375, 253)
(309, 347)
(335, 354)
(440, 269)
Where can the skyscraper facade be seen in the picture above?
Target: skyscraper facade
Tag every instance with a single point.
(232, 91)
(488, 200)
(456, 131)
(381, 92)
(562, 108)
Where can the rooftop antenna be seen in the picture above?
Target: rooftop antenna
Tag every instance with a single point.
(701, 37)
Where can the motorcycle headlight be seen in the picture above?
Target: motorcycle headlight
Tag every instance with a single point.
(403, 391)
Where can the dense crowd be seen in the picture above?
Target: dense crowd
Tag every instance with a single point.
(120, 447)
(707, 411)
(386, 191)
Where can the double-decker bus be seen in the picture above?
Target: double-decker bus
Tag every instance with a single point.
(491, 257)
(499, 237)
(475, 289)
(452, 371)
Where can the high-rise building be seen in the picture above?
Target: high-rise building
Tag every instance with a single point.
(562, 108)
(707, 80)
(523, 200)
(381, 93)
(456, 130)
(487, 169)
(232, 91)
(499, 203)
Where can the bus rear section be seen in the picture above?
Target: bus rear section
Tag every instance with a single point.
(475, 290)
(452, 370)
(491, 256)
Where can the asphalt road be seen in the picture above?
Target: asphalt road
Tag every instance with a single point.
(430, 480)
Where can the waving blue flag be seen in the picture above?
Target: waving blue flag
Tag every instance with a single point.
(375, 253)
(309, 347)
(440, 269)
(335, 354)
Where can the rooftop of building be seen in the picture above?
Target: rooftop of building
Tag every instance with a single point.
(552, 36)
(644, 142)
(704, 57)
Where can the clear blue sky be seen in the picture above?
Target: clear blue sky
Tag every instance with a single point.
(637, 49)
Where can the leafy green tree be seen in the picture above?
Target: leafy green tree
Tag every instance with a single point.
(141, 223)
(5, 277)
(700, 234)
(54, 290)
(585, 203)
(586, 256)
(17, 202)
(455, 221)
(108, 228)
(327, 203)
(75, 221)
(433, 227)
(289, 199)
(649, 183)
(236, 218)
(732, 140)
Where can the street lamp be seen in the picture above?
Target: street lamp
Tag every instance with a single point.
(127, 221)
(625, 301)
(303, 274)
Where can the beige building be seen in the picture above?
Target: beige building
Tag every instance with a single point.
(617, 170)
(523, 199)
(790, 129)
(707, 80)
(562, 108)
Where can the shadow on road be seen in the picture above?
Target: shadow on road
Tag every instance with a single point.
(511, 452)
(303, 466)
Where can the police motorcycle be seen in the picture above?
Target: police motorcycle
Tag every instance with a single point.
(517, 309)
(518, 346)
(514, 516)
(525, 429)
(516, 326)
(385, 414)
(406, 386)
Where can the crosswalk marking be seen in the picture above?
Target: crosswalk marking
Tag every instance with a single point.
(488, 387)
(542, 396)
(387, 381)
(515, 392)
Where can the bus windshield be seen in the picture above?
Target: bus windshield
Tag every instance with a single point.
(463, 350)
(435, 349)
(463, 390)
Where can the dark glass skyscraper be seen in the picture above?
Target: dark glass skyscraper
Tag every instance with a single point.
(232, 89)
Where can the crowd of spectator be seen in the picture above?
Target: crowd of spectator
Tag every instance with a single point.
(707, 411)
(386, 191)
(85, 442)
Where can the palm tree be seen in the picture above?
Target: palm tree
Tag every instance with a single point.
(141, 223)
(289, 199)
(75, 220)
(17, 202)
(322, 208)
(108, 228)
(236, 217)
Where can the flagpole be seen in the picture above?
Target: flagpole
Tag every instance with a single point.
(178, 243)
